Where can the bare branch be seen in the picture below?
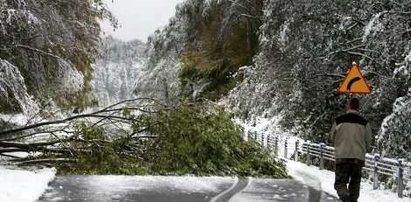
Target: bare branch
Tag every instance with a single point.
(32, 145)
(92, 115)
(11, 150)
(330, 75)
(250, 16)
(39, 51)
(41, 161)
(34, 134)
(360, 54)
(10, 156)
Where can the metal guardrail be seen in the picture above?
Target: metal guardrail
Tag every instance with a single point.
(374, 164)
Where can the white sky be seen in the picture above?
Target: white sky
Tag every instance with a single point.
(139, 18)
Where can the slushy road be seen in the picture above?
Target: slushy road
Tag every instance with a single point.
(178, 189)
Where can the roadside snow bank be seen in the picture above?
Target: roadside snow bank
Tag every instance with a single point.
(324, 180)
(22, 185)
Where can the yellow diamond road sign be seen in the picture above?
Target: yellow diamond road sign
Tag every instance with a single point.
(354, 82)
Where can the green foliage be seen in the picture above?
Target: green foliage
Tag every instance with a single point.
(225, 41)
(96, 153)
(183, 140)
(203, 143)
(197, 68)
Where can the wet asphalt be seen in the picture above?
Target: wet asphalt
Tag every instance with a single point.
(178, 189)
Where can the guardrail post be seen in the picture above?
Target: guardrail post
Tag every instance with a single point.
(308, 162)
(322, 145)
(400, 179)
(262, 140)
(255, 136)
(276, 145)
(286, 148)
(375, 175)
(297, 144)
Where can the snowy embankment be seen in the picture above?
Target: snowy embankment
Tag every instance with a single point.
(23, 185)
(17, 185)
(310, 175)
(324, 180)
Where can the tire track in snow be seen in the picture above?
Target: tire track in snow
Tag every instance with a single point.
(237, 187)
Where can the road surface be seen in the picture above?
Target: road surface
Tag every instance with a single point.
(179, 189)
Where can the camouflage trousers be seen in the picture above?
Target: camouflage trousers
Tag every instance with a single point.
(348, 172)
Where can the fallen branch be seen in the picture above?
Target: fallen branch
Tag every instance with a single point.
(10, 156)
(34, 134)
(63, 141)
(89, 115)
(32, 145)
(41, 161)
(11, 150)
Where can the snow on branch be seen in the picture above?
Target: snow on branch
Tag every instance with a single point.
(12, 87)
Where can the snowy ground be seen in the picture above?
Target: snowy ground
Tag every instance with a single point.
(18, 185)
(23, 185)
(324, 180)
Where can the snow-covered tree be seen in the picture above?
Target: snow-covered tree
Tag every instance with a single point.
(305, 51)
(52, 43)
(199, 53)
(292, 72)
(116, 70)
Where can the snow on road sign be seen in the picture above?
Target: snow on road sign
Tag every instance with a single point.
(354, 82)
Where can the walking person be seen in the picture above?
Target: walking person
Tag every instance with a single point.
(351, 135)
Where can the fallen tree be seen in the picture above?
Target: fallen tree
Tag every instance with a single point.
(128, 138)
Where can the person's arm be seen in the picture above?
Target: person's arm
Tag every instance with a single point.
(368, 137)
(331, 138)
